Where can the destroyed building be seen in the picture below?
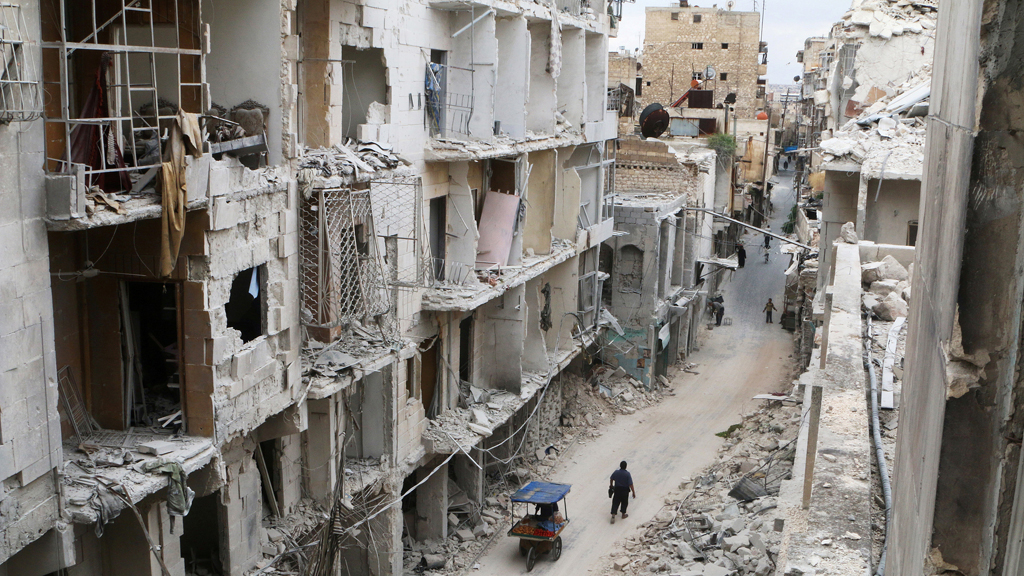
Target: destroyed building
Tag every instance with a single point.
(664, 258)
(864, 135)
(684, 43)
(269, 260)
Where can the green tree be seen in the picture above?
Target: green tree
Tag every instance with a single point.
(724, 144)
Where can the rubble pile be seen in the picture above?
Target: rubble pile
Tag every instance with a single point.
(887, 18)
(626, 394)
(721, 522)
(285, 533)
(891, 130)
(886, 288)
(331, 165)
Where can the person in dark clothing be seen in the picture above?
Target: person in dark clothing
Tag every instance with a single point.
(741, 255)
(546, 511)
(621, 484)
(768, 309)
(767, 241)
(718, 309)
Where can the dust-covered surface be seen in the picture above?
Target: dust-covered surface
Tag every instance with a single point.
(587, 407)
(701, 526)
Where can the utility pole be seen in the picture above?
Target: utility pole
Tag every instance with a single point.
(764, 174)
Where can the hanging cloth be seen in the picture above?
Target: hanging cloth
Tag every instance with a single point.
(184, 136)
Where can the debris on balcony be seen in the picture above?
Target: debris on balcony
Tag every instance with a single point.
(334, 166)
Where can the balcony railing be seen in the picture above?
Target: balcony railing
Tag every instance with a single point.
(448, 112)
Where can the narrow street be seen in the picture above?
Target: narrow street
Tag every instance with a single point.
(676, 438)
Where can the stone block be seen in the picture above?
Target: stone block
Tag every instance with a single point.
(225, 214)
(241, 364)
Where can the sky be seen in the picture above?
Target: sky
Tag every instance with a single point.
(786, 25)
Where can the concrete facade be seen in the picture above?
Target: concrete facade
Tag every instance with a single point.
(331, 308)
(682, 41)
(963, 335)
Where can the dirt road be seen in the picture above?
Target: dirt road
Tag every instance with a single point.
(676, 438)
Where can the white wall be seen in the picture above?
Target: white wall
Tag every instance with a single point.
(571, 80)
(513, 75)
(597, 76)
(242, 45)
(540, 113)
(476, 48)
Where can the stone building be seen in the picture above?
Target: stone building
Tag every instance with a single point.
(663, 259)
(682, 41)
(262, 256)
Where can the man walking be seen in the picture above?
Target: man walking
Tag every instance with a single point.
(741, 254)
(768, 309)
(620, 485)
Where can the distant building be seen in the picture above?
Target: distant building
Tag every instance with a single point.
(682, 42)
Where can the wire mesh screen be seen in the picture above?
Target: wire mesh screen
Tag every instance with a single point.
(19, 75)
(398, 222)
(342, 264)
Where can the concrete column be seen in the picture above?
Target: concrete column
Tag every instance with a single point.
(321, 464)
(291, 472)
(385, 557)
(374, 419)
(241, 515)
(432, 504)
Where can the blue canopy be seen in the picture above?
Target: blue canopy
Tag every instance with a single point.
(789, 149)
(541, 493)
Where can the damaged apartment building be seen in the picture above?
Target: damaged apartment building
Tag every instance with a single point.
(273, 261)
(667, 254)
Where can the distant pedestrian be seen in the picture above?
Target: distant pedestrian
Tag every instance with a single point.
(718, 309)
(767, 238)
(620, 485)
(741, 255)
(785, 164)
(768, 309)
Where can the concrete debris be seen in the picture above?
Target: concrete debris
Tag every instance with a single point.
(701, 530)
(329, 167)
(848, 233)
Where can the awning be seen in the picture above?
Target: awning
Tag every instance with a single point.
(541, 493)
(729, 263)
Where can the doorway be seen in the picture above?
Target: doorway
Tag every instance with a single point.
(151, 342)
(429, 376)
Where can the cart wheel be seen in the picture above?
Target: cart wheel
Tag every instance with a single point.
(531, 559)
(556, 549)
(522, 550)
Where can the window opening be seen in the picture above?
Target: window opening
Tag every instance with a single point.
(725, 45)
(912, 233)
(151, 344)
(19, 76)
(244, 309)
(696, 18)
(675, 15)
(697, 46)
(438, 234)
(121, 71)
(466, 350)
(365, 89)
(266, 456)
(723, 76)
(430, 374)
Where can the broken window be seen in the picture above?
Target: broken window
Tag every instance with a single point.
(364, 89)
(912, 233)
(466, 350)
(244, 309)
(128, 71)
(201, 536)
(697, 46)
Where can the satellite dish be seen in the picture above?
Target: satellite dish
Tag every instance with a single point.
(709, 73)
(653, 121)
(730, 4)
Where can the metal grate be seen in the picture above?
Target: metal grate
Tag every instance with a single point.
(342, 263)
(398, 222)
(19, 76)
(448, 113)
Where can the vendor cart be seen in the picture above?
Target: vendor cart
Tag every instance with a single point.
(540, 532)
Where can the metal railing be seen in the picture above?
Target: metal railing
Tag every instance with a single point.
(20, 99)
(447, 112)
